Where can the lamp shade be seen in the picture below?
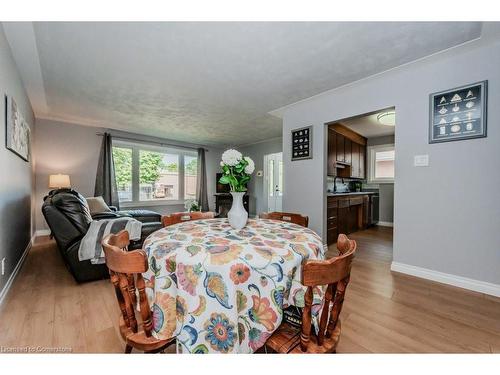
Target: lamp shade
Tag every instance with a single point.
(58, 181)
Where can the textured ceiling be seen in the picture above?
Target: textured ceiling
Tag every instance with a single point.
(215, 83)
(368, 125)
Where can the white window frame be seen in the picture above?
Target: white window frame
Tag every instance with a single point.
(136, 148)
(371, 164)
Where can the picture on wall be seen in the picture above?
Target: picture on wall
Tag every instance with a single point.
(302, 143)
(17, 130)
(458, 113)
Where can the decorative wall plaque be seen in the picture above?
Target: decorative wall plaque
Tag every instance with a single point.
(17, 130)
(302, 143)
(458, 113)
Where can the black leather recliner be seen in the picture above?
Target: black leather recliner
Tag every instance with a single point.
(68, 216)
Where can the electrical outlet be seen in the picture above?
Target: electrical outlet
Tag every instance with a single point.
(3, 266)
(421, 160)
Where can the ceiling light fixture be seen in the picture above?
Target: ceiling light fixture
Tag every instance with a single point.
(387, 118)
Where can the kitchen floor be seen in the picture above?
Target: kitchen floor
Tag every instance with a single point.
(383, 312)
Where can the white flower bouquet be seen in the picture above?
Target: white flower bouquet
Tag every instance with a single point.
(237, 170)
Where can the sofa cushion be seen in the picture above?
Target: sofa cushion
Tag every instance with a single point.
(74, 207)
(97, 205)
(145, 216)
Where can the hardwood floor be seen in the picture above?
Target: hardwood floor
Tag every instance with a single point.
(388, 312)
(383, 312)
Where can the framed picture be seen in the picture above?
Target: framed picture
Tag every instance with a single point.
(459, 113)
(302, 143)
(17, 131)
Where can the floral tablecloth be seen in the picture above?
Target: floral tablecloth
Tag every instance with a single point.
(222, 290)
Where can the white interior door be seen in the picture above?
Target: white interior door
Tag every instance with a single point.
(273, 176)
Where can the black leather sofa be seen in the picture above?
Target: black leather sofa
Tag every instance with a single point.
(68, 216)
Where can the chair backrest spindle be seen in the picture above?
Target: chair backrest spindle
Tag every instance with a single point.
(334, 273)
(125, 269)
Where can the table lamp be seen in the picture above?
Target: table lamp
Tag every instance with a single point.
(59, 181)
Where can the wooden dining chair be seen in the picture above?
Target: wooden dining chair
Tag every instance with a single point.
(286, 216)
(125, 270)
(334, 273)
(179, 217)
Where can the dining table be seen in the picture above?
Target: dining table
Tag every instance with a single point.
(220, 290)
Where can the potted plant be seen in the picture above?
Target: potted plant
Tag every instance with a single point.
(236, 173)
(191, 205)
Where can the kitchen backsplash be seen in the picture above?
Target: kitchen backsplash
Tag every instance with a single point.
(343, 185)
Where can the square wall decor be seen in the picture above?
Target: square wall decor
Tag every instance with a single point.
(302, 143)
(459, 113)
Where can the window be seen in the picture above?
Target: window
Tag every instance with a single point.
(148, 175)
(190, 172)
(381, 164)
(122, 158)
(158, 176)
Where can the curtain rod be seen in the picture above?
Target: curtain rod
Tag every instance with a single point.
(100, 134)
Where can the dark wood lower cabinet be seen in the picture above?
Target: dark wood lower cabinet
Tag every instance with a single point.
(344, 219)
(346, 214)
(353, 219)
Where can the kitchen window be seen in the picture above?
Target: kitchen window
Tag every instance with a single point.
(381, 164)
(148, 175)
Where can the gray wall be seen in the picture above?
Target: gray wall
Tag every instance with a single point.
(446, 215)
(383, 140)
(16, 184)
(256, 151)
(74, 150)
(386, 191)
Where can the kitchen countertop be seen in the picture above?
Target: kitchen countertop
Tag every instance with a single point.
(350, 193)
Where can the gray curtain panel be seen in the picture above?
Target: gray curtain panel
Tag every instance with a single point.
(105, 183)
(201, 181)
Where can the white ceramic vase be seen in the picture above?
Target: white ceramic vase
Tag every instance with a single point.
(237, 215)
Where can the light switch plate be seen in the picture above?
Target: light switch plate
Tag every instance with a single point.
(421, 160)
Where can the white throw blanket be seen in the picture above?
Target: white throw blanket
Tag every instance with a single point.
(90, 245)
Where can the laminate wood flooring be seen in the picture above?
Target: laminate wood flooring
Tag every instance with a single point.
(383, 312)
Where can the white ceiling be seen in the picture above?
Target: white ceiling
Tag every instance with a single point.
(208, 83)
(368, 125)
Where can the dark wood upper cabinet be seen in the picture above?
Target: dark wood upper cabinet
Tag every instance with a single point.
(362, 162)
(355, 160)
(340, 148)
(332, 157)
(347, 150)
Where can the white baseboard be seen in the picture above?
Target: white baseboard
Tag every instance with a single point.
(5, 290)
(42, 232)
(446, 278)
(385, 223)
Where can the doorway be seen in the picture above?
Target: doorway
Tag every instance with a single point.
(360, 177)
(273, 181)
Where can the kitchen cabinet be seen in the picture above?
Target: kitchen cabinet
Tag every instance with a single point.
(346, 152)
(346, 214)
(343, 216)
(362, 162)
(332, 157)
(340, 148)
(332, 220)
(355, 159)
